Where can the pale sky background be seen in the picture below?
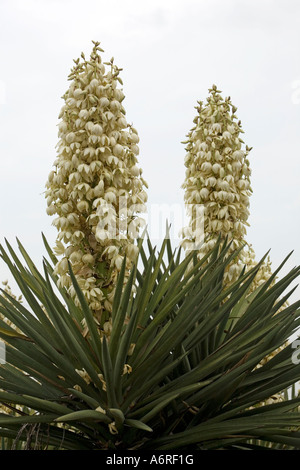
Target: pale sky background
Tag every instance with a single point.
(171, 52)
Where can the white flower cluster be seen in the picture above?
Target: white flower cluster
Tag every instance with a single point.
(218, 181)
(265, 271)
(96, 188)
(217, 178)
(8, 291)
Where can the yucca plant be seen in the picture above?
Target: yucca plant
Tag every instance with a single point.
(179, 370)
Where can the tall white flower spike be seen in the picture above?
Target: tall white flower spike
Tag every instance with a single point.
(96, 188)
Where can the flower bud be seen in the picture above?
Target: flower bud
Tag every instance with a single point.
(97, 129)
(118, 150)
(70, 137)
(75, 257)
(122, 123)
(83, 114)
(63, 127)
(135, 171)
(82, 206)
(89, 126)
(103, 102)
(51, 210)
(216, 168)
(78, 93)
(88, 259)
(118, 262)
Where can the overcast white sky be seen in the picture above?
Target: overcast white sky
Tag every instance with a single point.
(171, 52)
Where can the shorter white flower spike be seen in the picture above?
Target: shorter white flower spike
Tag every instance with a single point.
(218, 179)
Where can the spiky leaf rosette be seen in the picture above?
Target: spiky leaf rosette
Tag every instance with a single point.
(179, 370)
(96, 188)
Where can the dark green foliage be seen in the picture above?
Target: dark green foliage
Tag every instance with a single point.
(194, 382)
